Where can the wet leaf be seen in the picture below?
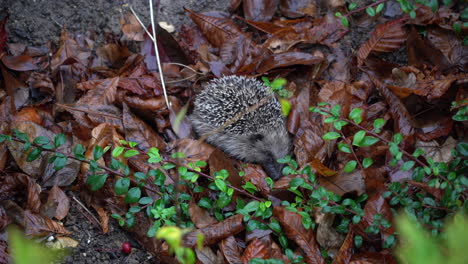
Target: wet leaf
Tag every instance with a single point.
(304, 238)
(20, 63)
(260, 10)
(385, 38)
(217, 232)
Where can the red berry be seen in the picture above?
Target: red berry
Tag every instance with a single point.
(126, 248)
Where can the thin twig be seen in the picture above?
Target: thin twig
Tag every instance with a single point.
(156, 51)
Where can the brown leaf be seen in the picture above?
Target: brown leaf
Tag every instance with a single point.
(298, 8)
(3, 32)
(138, 131)
(400, 115)
(421, 52)
(34, 200)
(216, 232)
(287, 59)
(15, 88)
(69, 49)
(193, 149)
(321, 168)
(38, 225)
(57, 204)
(373, 257)
(103, 217)
(131, 27)
(230, 250)
(4, 256)
(343, 183)
(308, 142)
(4, 221)
(216, 30)
(376, 204)
(40, 168)
(327, 236)
(206, 255)
(450, 45)
(386, 37)
(304, 238)
(260, 10)
(255, 249)
(199, 216)
(346, 250)
(256, 175)
(19, 63)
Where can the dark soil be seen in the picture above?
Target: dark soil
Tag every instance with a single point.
(96, 247)
(35, 22)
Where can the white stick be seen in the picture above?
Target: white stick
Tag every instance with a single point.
(157, 54)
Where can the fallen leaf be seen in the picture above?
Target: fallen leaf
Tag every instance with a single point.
(304, 238)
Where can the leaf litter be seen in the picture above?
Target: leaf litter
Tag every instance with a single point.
(98, 96)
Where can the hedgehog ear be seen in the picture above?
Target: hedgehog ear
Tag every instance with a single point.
(255, 137)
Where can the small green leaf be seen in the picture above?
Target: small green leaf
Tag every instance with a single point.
(457, 28)
(379, 7)
(336, 109)
(221, 185)
(358, 137)
(41, 140)
(178, 155)
(378, 124)
(60, 162)
(117, 151)
(462, 148)
(145, 200)
(339, 124)
(130, 153)
(133, 195)
(121, 186)
(98, 151)
(331, 135)
(79, 151)
(356, 115)
(140, 176)
(368, 141)
(338, 14)
(352, 6)
(367, 162)
(132, 144)
(412, 14)
(344, 148)
(345, 22)
(358, 241)
(418, 152)
(96, 181)
(370, 11)
(285, 106)
(397, 138)
(34, 154)
(350, 166)
(59, 140)
(407, 165)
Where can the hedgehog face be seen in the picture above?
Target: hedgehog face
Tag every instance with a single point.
(268, 147)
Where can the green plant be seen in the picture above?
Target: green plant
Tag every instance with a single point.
(418, 247)
(170, 208)
(24, 251)
(173, 236)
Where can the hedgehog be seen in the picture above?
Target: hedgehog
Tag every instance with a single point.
(243, 118)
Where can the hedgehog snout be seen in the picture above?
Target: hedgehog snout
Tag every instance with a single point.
(273, 168)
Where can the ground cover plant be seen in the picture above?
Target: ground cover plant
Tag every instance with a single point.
(375, 98)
